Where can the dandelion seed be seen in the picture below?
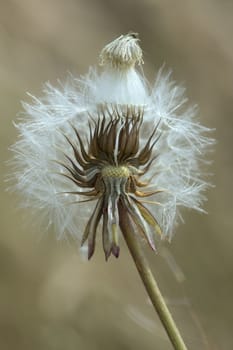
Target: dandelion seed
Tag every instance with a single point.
(94, 141)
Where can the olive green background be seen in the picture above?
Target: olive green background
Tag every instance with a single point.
(50, 297)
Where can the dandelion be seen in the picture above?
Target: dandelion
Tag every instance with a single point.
(41, 144)
(110, 139)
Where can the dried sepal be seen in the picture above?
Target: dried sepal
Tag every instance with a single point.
(111, 166)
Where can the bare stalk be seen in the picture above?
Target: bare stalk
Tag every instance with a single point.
(150, 282)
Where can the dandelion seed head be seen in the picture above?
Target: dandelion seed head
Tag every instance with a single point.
(83, 135)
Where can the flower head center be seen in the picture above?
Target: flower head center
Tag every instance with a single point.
(115, 171)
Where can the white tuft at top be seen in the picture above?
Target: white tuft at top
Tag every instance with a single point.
(122, 53)
(119, 81)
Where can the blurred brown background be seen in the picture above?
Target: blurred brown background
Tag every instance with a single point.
(50, 298)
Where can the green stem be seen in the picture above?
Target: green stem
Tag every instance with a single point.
(149, 281)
